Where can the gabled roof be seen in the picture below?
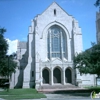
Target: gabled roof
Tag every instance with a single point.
(57, 5)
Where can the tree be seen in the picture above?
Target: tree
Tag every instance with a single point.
(7, 63)
(89, 60)
(3, 44)
(97, 3)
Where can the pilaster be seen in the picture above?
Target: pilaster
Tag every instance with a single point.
(26, 80)
(51, 76)
(63, 72)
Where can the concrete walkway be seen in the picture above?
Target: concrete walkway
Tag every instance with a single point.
(63, 97)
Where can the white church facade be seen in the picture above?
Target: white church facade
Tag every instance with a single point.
(46, 58)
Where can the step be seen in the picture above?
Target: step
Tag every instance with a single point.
(58, 86)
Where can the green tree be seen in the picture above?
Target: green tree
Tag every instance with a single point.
(89, 61)
(3, 44)
(7, 63)
(97, 3)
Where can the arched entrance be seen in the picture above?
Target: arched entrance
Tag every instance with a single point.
(68, 76)
(45, 75)
(56, 75)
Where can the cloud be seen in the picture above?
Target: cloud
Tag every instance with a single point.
(12, 46)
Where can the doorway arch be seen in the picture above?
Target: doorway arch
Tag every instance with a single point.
(68, 76)
(45, 75)
(57, 75)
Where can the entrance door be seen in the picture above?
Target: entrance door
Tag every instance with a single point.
(45, 75)
(57, 75)
(68, 76)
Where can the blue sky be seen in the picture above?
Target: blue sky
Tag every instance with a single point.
(16, 15)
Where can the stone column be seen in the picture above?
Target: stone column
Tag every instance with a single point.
(73, 77)
(51, 78)
(63, 72)
(41, 78)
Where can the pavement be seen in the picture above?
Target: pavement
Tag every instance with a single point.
(64, 97)
(67, 94)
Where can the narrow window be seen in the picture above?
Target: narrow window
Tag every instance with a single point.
(55, 12)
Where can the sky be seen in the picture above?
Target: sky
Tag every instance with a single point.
(16, 16)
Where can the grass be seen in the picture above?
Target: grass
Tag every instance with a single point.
(94, 88)
(14, 94)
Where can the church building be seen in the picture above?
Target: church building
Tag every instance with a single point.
(46, 59)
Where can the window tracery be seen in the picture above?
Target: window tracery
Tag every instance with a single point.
(56, 42)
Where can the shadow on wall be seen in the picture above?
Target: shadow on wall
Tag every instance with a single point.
(32, 76)
(23, 63)
(32, 70)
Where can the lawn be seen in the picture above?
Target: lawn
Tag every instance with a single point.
(94, 88)
(14, 94)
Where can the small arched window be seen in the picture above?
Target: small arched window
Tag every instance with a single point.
(55, 12)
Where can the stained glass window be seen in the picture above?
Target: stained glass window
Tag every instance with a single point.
(56, 42)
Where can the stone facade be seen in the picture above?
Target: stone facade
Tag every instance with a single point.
(47, 57)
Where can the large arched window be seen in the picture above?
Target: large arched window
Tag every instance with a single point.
(57, 42)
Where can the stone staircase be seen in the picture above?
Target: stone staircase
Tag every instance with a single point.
(58, 86)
